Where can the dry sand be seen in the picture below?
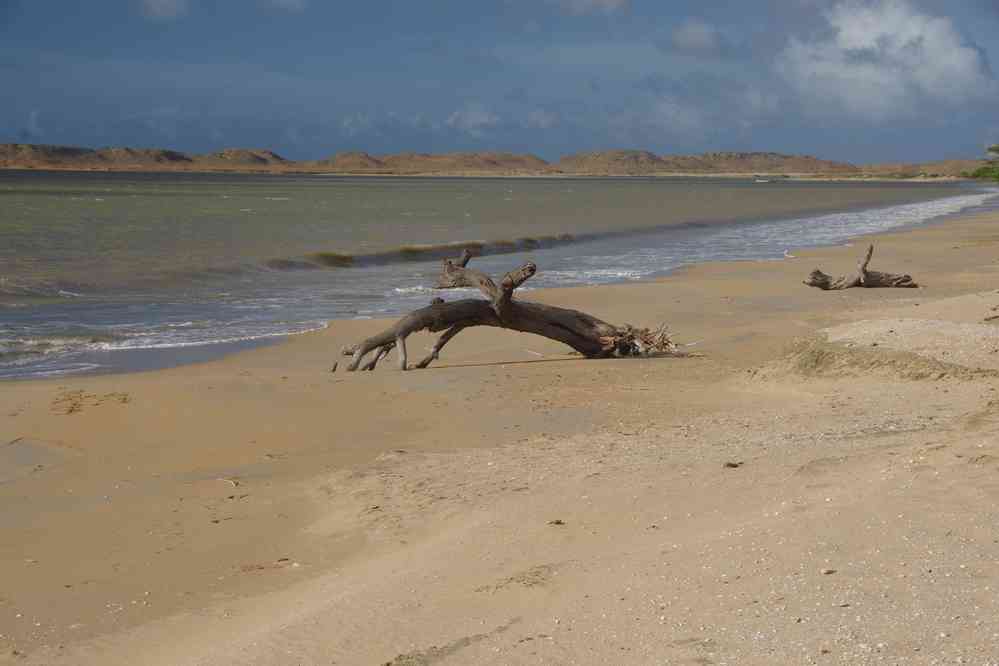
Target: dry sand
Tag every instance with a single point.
(820, 487)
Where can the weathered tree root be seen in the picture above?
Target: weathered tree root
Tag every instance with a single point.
(584, 333)
(863, 278)
(450, 277)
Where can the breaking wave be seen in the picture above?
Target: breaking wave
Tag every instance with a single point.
(421, 252)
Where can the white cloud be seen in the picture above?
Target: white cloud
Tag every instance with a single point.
(884, 59)
(293, 135)
(165, 120)
(591, 6)
(695, 36)
(356, 123)
(473, 119)
(290, 5)
(541, 119)
(34, 128)
(676, 116)
(681, 118)
(663, 117)
(164, 9)
(755, 103)
(171, 9)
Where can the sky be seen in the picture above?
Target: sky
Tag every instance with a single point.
(856, 80)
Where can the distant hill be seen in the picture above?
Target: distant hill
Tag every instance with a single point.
(602, 163)
(777, 163)
(486, 162)
(140, 156)
(242, 156)
(20, 155)
(625, 162)
(29, 156)
(428, 163)
(352, 162)
(945, 168)
(642, 162)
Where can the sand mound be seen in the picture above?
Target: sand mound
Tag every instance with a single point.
(969, 345)
(910, 349)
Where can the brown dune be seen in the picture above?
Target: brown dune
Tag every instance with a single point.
(642, 162)
(601, 163)
(355, 161)
(776, 163)
(40, 156)
(628, 162)
(951, 168)
(464, 162)
(242, 156)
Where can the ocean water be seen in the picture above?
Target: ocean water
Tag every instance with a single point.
(111, 272)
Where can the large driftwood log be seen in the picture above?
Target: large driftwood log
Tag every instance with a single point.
(586, 334)
(862, 278)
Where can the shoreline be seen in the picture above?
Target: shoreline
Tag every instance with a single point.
(143, 359)
(157, 487)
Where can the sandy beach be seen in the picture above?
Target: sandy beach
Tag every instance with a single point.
(817, 485)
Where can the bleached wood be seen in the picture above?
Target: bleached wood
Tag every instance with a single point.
(584, 333)
(862, 278)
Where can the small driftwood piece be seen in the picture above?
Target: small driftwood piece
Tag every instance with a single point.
(862, 278)
(584, 333)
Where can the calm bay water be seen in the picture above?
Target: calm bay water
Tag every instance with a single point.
(95, 265)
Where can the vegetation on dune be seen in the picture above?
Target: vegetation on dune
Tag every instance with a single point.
(990, 170)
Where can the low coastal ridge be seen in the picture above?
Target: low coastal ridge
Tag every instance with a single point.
(600, 163)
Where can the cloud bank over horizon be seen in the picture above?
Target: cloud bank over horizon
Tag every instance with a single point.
(886, 60)
(858, 80)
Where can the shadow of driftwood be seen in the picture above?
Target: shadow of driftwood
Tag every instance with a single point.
(564, 359)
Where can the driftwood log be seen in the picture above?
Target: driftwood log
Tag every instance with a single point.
(584, 333)
(862, 278)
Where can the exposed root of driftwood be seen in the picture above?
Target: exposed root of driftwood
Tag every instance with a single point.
(862, 278)
(450, 277)
(584, 333)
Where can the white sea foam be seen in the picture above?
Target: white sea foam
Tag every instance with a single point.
(669, 248)
(162, 342)
(44, 370)
(52, 354)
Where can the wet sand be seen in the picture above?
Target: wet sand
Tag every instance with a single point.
(792, 496)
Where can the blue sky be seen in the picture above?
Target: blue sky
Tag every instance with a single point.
(857, 80)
